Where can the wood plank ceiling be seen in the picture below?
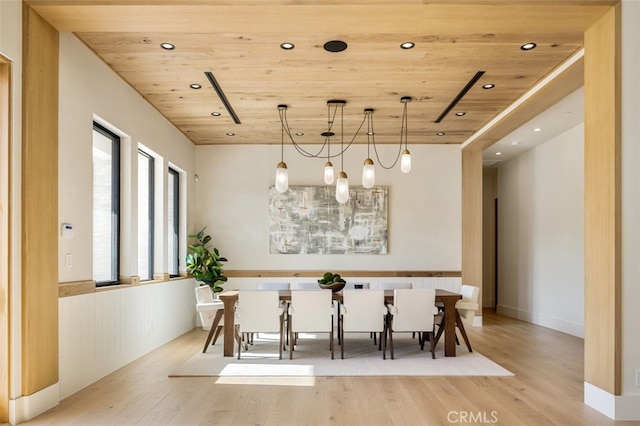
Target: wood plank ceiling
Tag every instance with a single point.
(239, 43)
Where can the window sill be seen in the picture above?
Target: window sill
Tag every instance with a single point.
(76, 288)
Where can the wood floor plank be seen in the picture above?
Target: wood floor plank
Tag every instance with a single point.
(547, 390)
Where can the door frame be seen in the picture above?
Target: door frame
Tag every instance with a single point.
(5, 215)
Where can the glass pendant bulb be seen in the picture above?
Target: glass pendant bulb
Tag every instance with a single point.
(328, 173)
(368, 174)
(405, 162)
(342, 188)
(282, 177)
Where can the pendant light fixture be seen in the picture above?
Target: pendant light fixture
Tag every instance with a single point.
(368, 171)
(328, 167)
(328, 172)
(405, 161)
(282, 176)
(342, 185)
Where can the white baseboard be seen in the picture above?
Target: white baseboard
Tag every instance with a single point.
(27, 407)
(477, 321)
(620, 407)
(553, 323)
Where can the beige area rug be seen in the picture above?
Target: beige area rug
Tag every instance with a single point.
(312, 357)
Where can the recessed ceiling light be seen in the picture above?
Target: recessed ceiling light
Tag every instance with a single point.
(287, 46)
(407, 45)
(215, 114)
(231, 134)
(537, 129)
(299, 134)
(195, 86)
(167, 46)
(489, 86)
(460, 113)
(498, 153)
(528, 46)
(440, 134)
(335, 46)
(514, 143)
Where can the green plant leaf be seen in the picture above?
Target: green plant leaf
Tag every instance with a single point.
(205, 265)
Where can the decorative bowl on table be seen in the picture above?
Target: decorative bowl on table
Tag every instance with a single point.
(334, 282)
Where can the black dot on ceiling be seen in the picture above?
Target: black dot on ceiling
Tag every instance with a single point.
(335, 46)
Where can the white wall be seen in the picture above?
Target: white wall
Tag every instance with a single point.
(88, 89)
(630, 200)
(424, 228)
(103, 331)
(541, 234)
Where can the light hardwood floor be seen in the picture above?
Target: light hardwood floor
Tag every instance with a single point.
(546, 390)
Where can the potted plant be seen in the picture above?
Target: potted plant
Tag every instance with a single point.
(206, 265)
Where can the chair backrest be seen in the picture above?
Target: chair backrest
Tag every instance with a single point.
(469, 304)
(363, 310)
(204, 294)
(469, 293)
(356, 286)
(311, 310)
(309, 286)
(259, 311)
(414, 309)
(274, 286)
(393, 286)
(206, 305)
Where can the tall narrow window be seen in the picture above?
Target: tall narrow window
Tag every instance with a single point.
(145, 216)
(173, 220)
(106, 205)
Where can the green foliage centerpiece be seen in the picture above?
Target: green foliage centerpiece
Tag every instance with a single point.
(334, 282)
(205, 265)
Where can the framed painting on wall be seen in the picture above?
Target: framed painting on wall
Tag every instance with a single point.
(309, 220)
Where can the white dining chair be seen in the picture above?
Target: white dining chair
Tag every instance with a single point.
(395, 285)
(413, 311)
(276, 286)
(310, 311)
(363, 311)
(468, 305)
(211, 313)
(260, 311)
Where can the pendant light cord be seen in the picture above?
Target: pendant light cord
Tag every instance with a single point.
(282, 112)
(403, 133)
(369, 133)
(371, 139)
(342, 137)
(329, 125)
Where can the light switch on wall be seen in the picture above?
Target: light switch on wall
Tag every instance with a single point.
(69, 260)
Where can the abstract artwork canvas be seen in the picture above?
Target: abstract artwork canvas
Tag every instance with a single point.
(309, 220)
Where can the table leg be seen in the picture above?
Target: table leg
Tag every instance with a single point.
(449, 327)
(229, 324)
(339, 324)
(214, 328)
(462, 330)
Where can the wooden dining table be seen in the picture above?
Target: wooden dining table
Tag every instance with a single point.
(447, 300)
